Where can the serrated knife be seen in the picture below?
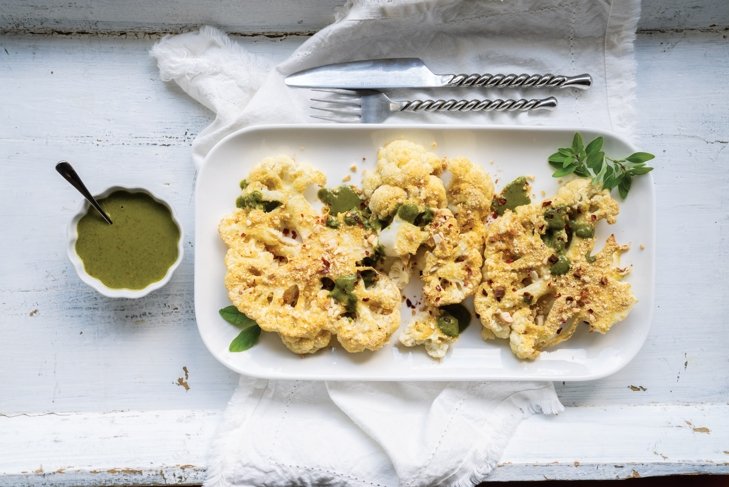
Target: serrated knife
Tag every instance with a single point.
(413, 73)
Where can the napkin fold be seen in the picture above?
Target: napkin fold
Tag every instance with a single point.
(285, 433)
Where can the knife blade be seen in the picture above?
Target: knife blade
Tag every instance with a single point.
(413, 73)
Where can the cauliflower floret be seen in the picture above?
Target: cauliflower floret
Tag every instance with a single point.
(376, 318)
(424, 331)
(401, 238)
(469, 190)
(437, 329)
(386, 199)
(285, 174)
(590, 200)
(451, 269)
(281, 258)
(410, 167)
(307, 345)
(540, 282)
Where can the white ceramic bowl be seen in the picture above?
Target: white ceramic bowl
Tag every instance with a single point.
(72, 236)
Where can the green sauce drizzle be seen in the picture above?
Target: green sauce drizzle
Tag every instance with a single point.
(516, 193)
(343, 292)
(454, 318)
(339, 200)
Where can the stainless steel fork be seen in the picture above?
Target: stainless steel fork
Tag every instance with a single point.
(369, 106)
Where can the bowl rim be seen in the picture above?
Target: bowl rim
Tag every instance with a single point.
(98, 285)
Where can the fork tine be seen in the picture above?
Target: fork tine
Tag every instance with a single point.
(337, 120)
(337, 91)
(337, 102)
(345, 112)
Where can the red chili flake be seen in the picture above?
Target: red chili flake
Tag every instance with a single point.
(293, 233)
(409, 303)
(604, 281)
(559, 330)
(286, 232)
(569, 299)
(326, 263)
(365, 299)
(438, 288)
(593, 217)
(501, 200)
(485, 294)
(553, 259)
(546, 203)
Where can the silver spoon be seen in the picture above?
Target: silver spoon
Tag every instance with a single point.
(68, 173)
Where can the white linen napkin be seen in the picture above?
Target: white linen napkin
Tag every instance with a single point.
(282, 433)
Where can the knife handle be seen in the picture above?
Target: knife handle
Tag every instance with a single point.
(580, 82)
(496, 105)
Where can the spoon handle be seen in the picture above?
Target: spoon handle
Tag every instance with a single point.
(69, 174)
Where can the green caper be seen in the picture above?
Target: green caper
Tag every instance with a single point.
(460, 313)
(352, 218)
(448, 324)
(583, 230)
(424, 217)
(562, 266)
(408, 212)
(556, 218)
(332, 222)
(269, 206)
(243, 184)
(556, 240)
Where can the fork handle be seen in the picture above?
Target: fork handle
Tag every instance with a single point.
(580, 82)
(496, 105)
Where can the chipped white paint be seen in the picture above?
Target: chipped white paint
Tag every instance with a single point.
(69, 358)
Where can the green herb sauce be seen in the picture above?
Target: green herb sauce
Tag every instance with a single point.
(343, 292)
(137, 249)
(454, 318)
(339, 200)
(516, 193)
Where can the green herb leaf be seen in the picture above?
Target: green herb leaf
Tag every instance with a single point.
(563, 172)
(236, 318)
(577, 144)
(637, 171)
(595, 146)
(640, 157)
(624, 186)
(245, 339)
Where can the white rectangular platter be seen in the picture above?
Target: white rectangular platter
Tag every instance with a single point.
(506, 153)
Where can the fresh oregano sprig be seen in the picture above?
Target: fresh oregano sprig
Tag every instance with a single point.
(591, 162)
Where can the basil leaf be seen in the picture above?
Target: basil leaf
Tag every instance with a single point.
(236, 318)
(245, 339)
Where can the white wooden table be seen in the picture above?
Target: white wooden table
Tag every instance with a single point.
(99, 391)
